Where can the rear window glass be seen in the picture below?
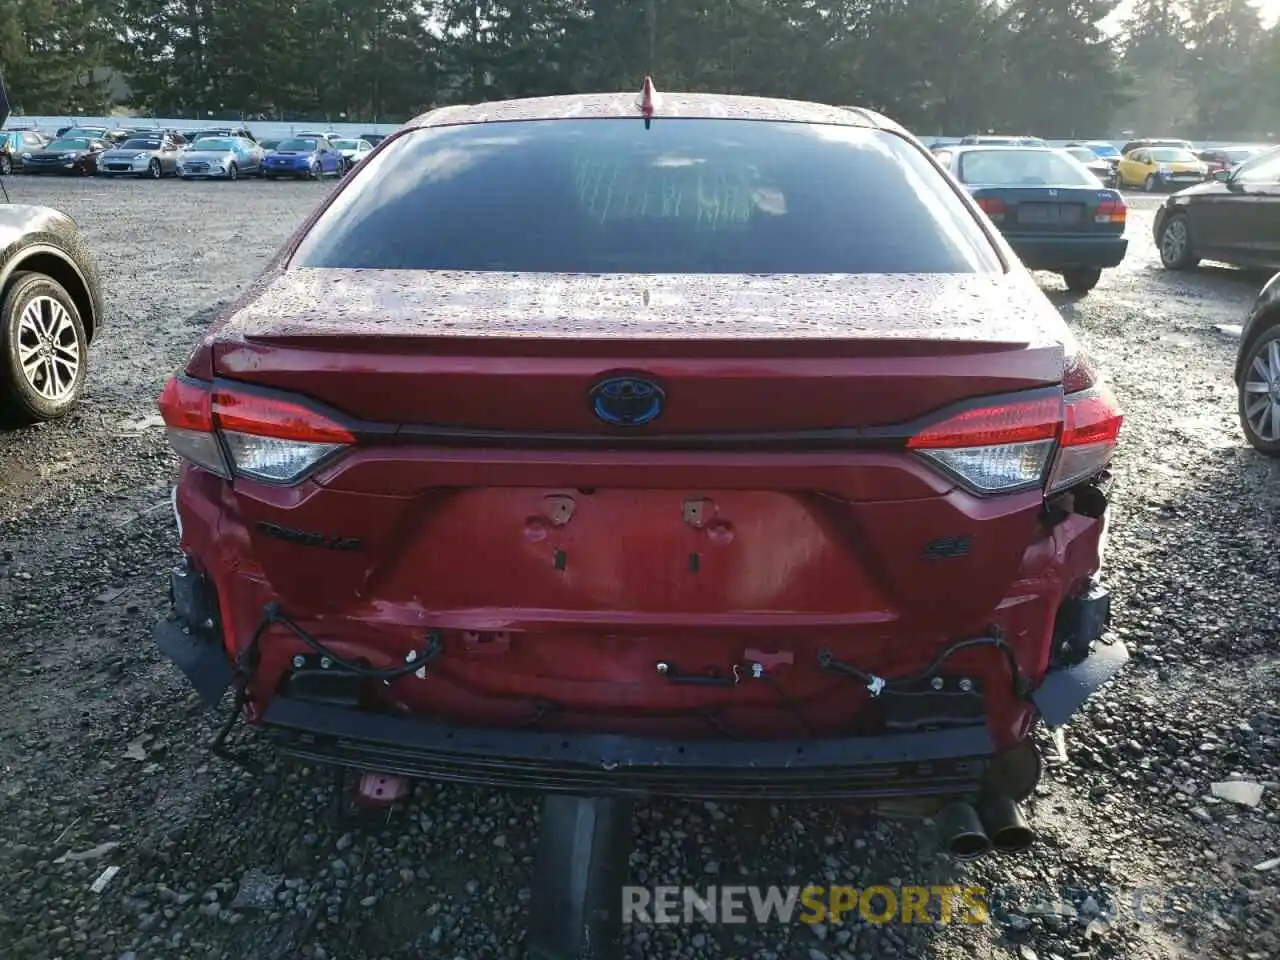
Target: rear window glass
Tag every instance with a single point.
(141, 145)
(1017, 168)
(302, 145)
(686, 196)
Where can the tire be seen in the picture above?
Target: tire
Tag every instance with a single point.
(34, 305)
(154, 170)
(1174, 244)
(316, 173)
(6, 165)
(1258, 393)
(186, 178)
(1082, 279)
(1149, 184)
(233, 171)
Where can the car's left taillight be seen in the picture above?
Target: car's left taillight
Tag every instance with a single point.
(233, 431)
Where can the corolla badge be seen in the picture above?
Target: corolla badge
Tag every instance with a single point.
(627, 401)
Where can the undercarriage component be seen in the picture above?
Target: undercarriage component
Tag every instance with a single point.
(583, 855)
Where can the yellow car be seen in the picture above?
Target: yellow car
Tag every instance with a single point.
(1160, 168)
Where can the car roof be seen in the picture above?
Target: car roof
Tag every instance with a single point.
(687, 105)
(1000, 148)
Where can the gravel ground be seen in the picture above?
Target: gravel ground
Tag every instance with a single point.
(102, 746)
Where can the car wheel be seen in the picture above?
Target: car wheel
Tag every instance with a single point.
(316, 172)
(1176, 252)
(6, 166)
(1149, 184)
(43, 350)
(155, 170)
(233, 171)
(1082, 279)
(1259, 393)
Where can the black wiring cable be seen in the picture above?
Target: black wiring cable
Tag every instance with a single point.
(792, 706)
(828, 663)
(271, 615)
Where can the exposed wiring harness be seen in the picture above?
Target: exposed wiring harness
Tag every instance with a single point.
(246, 666)
(877, 685)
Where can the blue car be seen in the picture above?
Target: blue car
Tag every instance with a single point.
(312, 157)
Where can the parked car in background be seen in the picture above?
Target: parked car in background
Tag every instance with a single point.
(1101, 148)
(15, 143)
(69, 155)
(313, 157)
(221, 158)
(997, 140)
(237, 133)
(353, 151)
(1232, 218)
(1104, 170)
(1217, 159)
(373, 138)
(1156, 142)
(417, 507)
(1160, 168)
(1257, 369)
(1051, 209)
(153, 157)
(51, 309)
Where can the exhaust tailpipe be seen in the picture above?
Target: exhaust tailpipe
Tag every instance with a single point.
(1004, 823)
(960, 830)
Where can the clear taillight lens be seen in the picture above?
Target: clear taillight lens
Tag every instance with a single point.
(995, 448)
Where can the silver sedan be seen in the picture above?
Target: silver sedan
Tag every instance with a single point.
(225, 158)
(153, 157)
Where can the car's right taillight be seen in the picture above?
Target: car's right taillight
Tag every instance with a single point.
(233, 431)
(1000, 447)
(1090, 430)
(1045, 441)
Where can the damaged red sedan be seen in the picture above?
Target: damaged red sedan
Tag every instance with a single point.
(648, 445)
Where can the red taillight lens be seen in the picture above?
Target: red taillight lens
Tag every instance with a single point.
(1089, 436)
(249, 434)
(1111, 211)
(993, 207)
(996, 448)
(277, 417)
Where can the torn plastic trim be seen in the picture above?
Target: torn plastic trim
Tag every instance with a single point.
(1065, 690)
(200, 658)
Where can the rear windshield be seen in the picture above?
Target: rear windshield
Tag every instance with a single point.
(686, 196)
(1023, 168)
(1104, 149)
(70, 143)
(141, 145)
(1083, 154)
(212, 143)
(305, 146)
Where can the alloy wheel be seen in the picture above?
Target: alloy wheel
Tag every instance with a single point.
(1261, 400)
(48, 349)
(1173, 240)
